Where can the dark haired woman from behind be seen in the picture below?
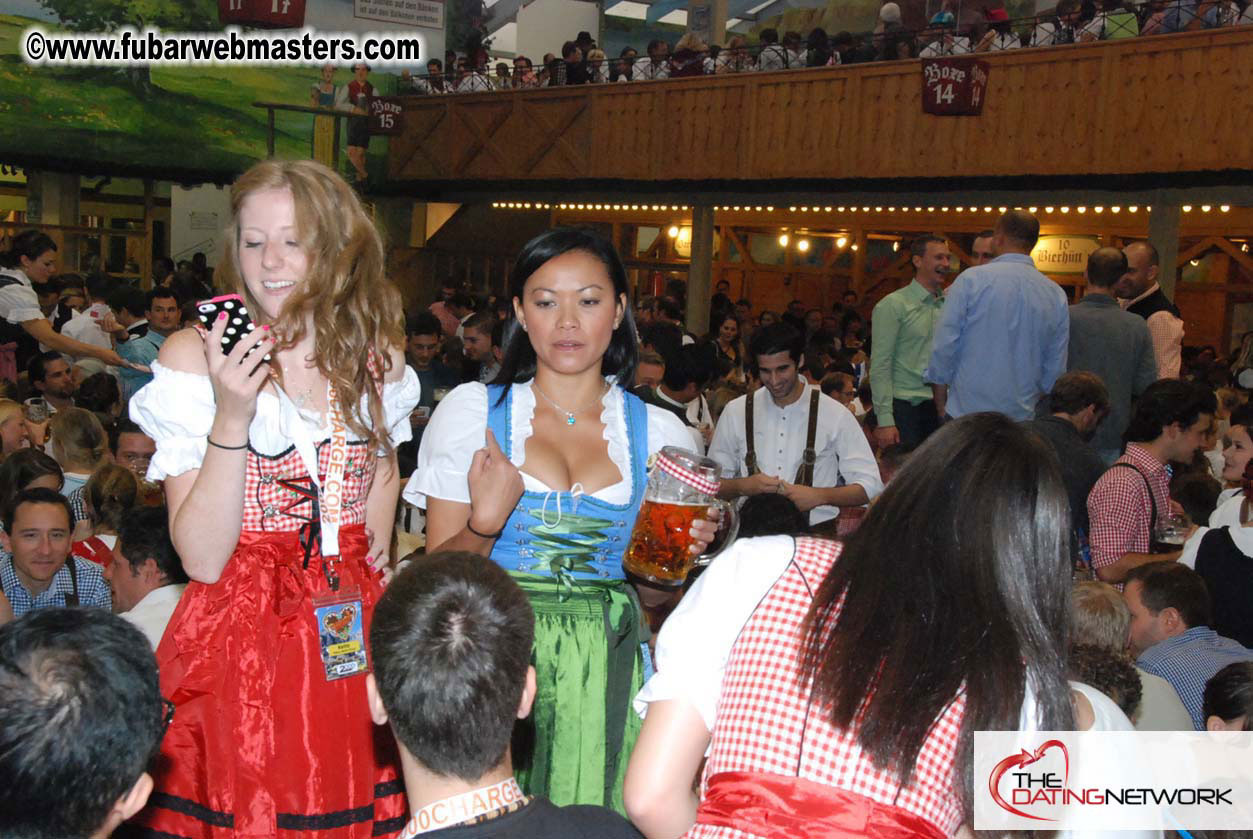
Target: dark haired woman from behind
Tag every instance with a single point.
(818, 680)
(543, 470)
(1228, 698)
(32, 258)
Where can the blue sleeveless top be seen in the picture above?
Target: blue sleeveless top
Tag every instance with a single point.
(554, 534)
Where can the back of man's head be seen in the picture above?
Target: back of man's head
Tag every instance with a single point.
(144, 534)
(451, 640)
(1076, 390)
(1020, 229)
(80, 718)
(129, 299)
(1100, 615)
(1166, 402)
(1106, 266)
(1169, 585)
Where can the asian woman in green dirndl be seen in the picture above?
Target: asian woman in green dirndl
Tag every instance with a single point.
(544, 471)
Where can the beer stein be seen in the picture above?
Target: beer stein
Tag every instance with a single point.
(681, 488)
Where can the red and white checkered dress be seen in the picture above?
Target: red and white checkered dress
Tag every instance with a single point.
(768, 725)
(262, 743)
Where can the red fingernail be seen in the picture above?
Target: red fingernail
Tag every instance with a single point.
(221, 315)
(266, 327)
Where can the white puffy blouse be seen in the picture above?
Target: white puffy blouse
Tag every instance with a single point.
(176, 410)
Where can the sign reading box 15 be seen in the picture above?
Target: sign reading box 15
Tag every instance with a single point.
(954, 86)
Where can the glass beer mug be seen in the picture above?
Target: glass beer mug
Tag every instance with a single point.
(681, 487)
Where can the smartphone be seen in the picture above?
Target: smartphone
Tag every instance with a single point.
(238, 323)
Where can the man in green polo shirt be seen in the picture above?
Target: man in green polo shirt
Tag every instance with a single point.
(902, 326)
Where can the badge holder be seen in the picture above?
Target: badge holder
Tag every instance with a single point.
(338, 614)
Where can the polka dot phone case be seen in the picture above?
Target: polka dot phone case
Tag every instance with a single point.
(238, 323)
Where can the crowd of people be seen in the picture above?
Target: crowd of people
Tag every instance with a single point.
(1057, 497)
(581, 61)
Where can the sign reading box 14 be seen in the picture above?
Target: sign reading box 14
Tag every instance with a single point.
(954, 86)
(1113, 780)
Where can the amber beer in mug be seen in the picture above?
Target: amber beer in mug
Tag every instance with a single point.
(660, 543)
(681, 488)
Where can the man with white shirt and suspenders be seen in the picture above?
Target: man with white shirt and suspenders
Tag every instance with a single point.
(788, 437)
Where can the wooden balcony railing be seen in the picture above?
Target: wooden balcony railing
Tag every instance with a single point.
(1154, 106)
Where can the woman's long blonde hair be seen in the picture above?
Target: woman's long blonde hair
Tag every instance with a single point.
(78, 439)
(357, 314)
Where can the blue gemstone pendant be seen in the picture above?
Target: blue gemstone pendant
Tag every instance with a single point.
(569, 419)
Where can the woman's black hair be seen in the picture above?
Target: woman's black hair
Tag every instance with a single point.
(29, 244)
(957, 582)
(1229, 694)
(22, 467)
(519, 360)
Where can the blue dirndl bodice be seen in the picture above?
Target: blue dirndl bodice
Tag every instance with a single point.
(557, 534)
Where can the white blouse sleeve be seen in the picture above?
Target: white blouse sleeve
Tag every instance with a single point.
(176, 410)
(665, 429)
(456, 431)
(696, 640)
(399, 399)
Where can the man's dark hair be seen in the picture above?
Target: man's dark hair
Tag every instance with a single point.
(144, 534)
(568, 49)
(129, 299)
(771, 514)
(423, 323)
(498, 334)
(121, 425)
(665, 338)
(81, 716)
(1105, 267)
(669, 308)
(436, 63)
(769, 36)
(100, 285)
(36, 495)
(1197, 493)
(162, 267)
(160, 293)
(776, 338)
(1020, 227)
(918, 247)
(1169, 584)
(98, 393)
(461, 300)
(692, 364)
(36, 369)
(1076, 390)
(1164, 403)
(481, 322)
(451, 639)
(1229, 694)
(985, 234)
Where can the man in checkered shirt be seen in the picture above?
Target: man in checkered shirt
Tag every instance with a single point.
(1170, 616)
(1169, 423)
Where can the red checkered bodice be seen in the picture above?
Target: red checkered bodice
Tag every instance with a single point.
(278, 493)
(767, 723)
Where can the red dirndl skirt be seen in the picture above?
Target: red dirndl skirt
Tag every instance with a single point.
(262, 744)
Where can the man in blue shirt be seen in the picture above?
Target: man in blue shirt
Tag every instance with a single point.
(40, 573)
(1170, 617)
(1000, 343)
(163, 317)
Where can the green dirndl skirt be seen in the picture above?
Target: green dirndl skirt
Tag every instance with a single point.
(588, 668)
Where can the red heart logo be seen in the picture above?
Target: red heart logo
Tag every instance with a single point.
(1025, 758)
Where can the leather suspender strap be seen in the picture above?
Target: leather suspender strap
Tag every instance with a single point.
(1152, 500)
(805, 472)
(750, 456)
(72, 599)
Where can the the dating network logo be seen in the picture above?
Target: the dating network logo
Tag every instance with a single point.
(1027, 788)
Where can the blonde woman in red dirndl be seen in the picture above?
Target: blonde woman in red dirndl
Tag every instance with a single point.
(837, 688)
(282, 486)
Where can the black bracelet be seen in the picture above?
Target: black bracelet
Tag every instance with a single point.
(209, 440)
(495, 535)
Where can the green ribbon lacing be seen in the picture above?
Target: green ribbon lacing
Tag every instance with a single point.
(570, 550)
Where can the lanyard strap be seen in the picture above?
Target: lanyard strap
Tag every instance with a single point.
(461, 808)
(331, 491)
